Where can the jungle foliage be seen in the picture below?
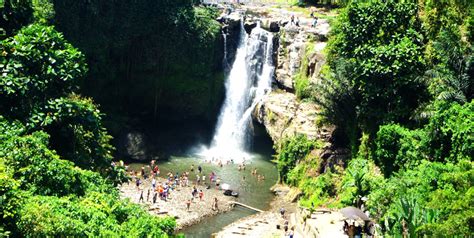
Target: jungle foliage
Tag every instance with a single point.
(149, 60)
(399, 88)
(56, 176)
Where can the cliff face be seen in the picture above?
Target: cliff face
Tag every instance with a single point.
(149, 60)
(288, 110)
(281, 112)
(283, 116)
(155, 68)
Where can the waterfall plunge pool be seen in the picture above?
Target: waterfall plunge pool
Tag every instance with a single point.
(251, 191)
(247, 83)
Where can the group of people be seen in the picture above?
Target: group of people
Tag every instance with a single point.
(355, 230)
(174, 181)
(260, 177)
(296, 20)
(288, 232)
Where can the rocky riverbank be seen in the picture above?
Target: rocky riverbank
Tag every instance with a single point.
(321, 223)
(264, 224)
(175, 205)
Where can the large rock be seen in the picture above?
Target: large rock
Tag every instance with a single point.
(231, 28)
(274, 26)
(132, 145)
(284, 81)
(283, 116)
(232, 20)
(249, 25)
(271, 25)
(321, 31)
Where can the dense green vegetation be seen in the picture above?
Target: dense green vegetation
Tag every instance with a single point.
(150, 62)
(56, 173)
(399, 88)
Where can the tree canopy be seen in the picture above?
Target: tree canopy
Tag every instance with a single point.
(56, 172)
(399, 88)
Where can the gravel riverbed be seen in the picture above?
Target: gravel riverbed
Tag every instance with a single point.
(175, 205)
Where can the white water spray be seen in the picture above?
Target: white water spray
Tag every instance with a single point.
(248, 82)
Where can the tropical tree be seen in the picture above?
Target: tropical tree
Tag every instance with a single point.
(382, 45)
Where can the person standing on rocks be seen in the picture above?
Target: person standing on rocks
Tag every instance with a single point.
(215, 206)
(138, 182)
(143, 172)
(201, 194)
(218, 182)
(156, 170)
(194, 192)
(155, 195)
(141, 196)
(315, 21)
(292, 232)
(152, 163)
(188, 204)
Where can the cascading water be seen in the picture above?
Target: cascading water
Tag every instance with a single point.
(249, 80)
(224, 61)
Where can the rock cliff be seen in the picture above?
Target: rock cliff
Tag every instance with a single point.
(283, 115)
(281, 112)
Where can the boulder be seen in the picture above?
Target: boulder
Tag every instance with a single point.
(233, 20)
(132, 145)
(270, 25)
(274, 26)
(249, 25)
(283, 80)
(283, 115)
(322, 30)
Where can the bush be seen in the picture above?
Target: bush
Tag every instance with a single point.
(382, 46)
(398, 147)
(451, 132)
(41, 70)
(38, 64)
(43, 195)
(429, 198)
(359, 179)
(319, 191)
(78, 135)
(290, 151)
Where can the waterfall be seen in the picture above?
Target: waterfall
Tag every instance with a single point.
(248, 81)
(225, 63)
